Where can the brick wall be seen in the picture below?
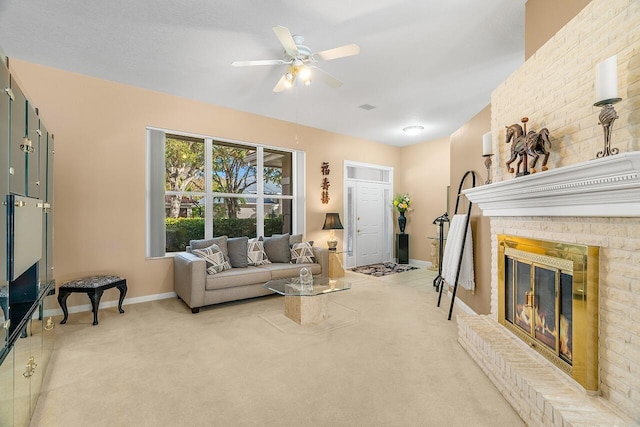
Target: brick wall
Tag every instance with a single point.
(555, 88)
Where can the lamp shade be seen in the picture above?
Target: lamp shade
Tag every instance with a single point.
(332, 222)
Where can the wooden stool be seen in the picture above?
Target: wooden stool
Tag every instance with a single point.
(93, 286)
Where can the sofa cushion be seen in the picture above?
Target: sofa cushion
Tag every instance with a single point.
(284, 271)
(293, 238)
(302, 253)
(237, 248)
(277, 248)
(255, 252)
(215, 259)
(205, 243)
(237, 277)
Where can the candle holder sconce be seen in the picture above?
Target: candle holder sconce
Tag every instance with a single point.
(607, 116)
(487, 153)
(487, 164)
(606, 96)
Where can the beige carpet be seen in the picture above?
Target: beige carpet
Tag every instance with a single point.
(388, 357)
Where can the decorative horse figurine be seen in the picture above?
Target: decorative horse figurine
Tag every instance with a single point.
(524, 144)
(536, 146)
(515, 135)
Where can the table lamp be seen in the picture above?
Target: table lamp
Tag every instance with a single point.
(332, 223)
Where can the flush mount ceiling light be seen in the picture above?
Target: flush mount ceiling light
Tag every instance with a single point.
(413, 130)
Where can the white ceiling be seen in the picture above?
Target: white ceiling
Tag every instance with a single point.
(425, 62)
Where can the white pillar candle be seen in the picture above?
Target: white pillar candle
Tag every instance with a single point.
(487, 145)
(607, 79)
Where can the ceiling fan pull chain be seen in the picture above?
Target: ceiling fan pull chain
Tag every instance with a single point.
(297, 111)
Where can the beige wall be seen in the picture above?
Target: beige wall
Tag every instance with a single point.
(543, 18)
(466, 154)
(424, 175)
(99, 129)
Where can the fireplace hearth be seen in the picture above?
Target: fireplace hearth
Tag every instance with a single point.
(548, 297)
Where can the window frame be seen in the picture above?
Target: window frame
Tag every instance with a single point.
(297, 197)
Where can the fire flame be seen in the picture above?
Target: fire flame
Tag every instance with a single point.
(565, 345)
(525, 315)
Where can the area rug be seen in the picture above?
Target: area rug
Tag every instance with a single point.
(383, 269)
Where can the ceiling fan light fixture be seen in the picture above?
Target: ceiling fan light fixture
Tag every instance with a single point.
(299, 58)
(304, 73)
(413, 130)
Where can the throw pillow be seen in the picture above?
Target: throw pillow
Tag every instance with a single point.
(237, 248)
(295, 238)
(277, 248)
(221, 242)
(255, 253)
(302, 253)
(216, 261)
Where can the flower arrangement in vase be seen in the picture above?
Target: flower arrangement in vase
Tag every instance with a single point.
(402, 202)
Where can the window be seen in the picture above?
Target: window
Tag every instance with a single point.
(210, 187)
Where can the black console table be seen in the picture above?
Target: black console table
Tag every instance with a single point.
(402, 248)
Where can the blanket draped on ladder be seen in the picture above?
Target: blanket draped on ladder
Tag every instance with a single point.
(451, 255)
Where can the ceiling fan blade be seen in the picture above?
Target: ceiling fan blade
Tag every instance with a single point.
(338, 52)
(286, 39)
(259, 62)
(281, 85)
(325, 77)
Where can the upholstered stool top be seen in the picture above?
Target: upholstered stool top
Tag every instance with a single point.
(91, 282)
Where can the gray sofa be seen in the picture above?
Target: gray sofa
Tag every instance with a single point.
(197, 288)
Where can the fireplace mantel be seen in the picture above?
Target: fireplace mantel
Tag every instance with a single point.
(608, 186)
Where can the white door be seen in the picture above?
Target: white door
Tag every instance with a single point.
(369, 222)
(368, 234)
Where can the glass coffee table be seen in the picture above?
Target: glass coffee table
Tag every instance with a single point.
(307, 304)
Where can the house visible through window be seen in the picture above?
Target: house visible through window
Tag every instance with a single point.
(214, 188)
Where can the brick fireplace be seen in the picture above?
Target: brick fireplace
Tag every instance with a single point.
(594, 203)
(579, 200)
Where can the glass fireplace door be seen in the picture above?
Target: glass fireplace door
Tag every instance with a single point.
(538, 300)
(545, 318)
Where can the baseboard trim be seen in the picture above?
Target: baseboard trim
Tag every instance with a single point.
(464, 307)
(420, 263)
(415, 263)
(114, 303)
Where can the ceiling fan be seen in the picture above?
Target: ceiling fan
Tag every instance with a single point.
(299, 58)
